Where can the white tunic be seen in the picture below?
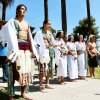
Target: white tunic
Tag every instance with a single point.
(72, 64)
(43, 52)
(81, 58)
(61, 60)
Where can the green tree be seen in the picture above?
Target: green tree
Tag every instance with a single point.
(83, 29)
(5, 4)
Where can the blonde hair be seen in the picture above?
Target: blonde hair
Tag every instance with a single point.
(91, 36)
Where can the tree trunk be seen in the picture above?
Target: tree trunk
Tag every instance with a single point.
(88, 17)
(3, 11)
(45, 9)
(63, 16)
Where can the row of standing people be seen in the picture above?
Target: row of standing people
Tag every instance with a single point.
(22, 50)
(79, 56)
(71, 57)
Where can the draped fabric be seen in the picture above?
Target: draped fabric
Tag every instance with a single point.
(46, 53)
(42, 50)
(80, 46)
(20, 59)
(25, 64)
(72, 63)
(61, 60)
(8, 33)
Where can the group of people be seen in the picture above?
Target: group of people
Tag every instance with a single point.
(70, 58)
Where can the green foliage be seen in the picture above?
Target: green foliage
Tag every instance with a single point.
(7, 2)
(0, 19)
(83, 28)
(52, 30)
(97, 72)
(4, 95)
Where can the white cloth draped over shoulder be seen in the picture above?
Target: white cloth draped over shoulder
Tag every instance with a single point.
(43, 52)
(9, 34)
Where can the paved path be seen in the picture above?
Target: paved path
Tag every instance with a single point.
(80, 90)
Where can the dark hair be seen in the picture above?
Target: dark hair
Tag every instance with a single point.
(18, 8)
(83, 37)
(45, 22)
(69, 37)
(76, 37)
(59, 33)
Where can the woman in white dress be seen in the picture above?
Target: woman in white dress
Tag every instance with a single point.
(60, 57)
(72, 59)
(81, 50)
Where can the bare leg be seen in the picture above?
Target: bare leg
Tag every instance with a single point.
(62, 79)
(93, 69)
(41, 81)
(47, 78)
(90, 69)
(11, 98)
(23, 90)
(47, 81)
(59, 80)
(23, 93)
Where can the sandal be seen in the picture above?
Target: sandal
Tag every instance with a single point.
(42, 89)
(11, 98)
(27, 97)
(48, 87)
(63, 81)
(60, 82)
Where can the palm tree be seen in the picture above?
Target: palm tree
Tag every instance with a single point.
(5, 4)
(88, 16)
(46, 9)
(63, 16)
(0, 9)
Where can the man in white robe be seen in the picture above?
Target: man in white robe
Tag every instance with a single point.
(44, 39)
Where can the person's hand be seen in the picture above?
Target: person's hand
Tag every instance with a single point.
(75, 57)
(51, 44)
(78, 53)
(93, 55)
(7, 60)
(33, 55)
(61, 44)
(65, 53)
(98, 53)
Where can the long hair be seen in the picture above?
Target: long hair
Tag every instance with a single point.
(44, 22)
(69, 38)
(58, 35)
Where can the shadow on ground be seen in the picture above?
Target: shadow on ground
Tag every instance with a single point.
(4, 95)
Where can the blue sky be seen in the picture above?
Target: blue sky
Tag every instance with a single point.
(76, 10)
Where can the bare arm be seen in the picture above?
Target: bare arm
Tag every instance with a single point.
(88, 49)
(71, 53)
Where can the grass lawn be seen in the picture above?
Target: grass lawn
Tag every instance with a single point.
(97, 72)
(4, 95)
